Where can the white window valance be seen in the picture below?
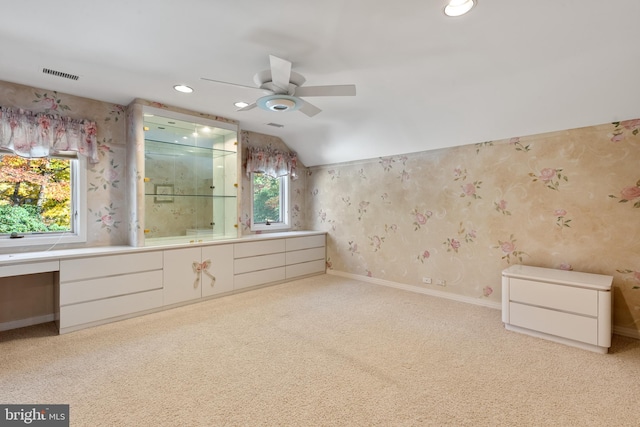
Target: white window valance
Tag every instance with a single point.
(274, 163)
(35, 135)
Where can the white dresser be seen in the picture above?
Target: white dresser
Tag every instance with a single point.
(569, 307)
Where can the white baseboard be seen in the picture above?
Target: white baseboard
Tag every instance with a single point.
(14, 324)
(418, 289)
(625, 332)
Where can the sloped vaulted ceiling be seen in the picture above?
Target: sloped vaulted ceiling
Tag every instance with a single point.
(424, 81)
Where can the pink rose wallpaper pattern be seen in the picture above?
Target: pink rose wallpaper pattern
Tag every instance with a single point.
(566, 200)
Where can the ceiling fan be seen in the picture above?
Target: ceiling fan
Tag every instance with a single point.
(284, 88)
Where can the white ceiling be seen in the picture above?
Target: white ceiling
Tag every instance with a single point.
(424, 81)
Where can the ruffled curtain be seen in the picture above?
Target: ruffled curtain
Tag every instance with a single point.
(35, 135)
(272, 162)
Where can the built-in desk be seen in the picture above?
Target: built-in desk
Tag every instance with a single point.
(99, 285)
(34, 267)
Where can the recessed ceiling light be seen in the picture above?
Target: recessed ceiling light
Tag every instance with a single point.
(458, 7)
(183, 88)
(241, 104)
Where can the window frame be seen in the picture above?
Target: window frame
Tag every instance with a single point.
(78, 233)
(285, 214)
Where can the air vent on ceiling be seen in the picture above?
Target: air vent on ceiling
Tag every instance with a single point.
(275, 125)
(60, 74)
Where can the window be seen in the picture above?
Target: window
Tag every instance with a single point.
(270, 202)
(42, 200)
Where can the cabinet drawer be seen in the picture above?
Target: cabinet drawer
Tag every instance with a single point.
(297, 243)
(263, 262)
(78, 314)
(248, 249)
(93, 289)
(259, 278)
(111, 265)
(578, 328)
(558, 297)
(29, 268)
(305, 268)
(305, 255)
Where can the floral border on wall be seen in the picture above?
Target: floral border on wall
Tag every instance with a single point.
(106, 180)
(566, 200)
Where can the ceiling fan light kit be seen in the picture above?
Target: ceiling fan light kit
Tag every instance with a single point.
(284, 89)
(458, 7)
(279, 103)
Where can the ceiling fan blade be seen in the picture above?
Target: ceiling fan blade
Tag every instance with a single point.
(336, 90)
(235, 84)
(280, 72)
(248, 107)
(309, 109)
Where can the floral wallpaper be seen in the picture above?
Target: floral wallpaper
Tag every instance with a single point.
(106, 180)
(567, 200)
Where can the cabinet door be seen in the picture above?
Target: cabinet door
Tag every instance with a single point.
(219, 259)
(181, 276)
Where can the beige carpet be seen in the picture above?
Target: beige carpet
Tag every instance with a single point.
(323, 351)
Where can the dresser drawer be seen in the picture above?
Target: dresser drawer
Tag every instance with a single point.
(255, 278)
(305, 255)
(305, 268)
(565, 325)
(78, 314)
(263, 262)
(565, 298)
(93, 289)
(297, 243)
(111, 265)
(249, 249)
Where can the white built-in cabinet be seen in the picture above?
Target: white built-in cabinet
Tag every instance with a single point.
(183, 169)
(195, 272)
(257, 263)
(96, 288)
(102, 285)
(261, 262)
(305, 255)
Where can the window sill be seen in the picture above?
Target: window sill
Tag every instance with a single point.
(272, 227)
(8, 242)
